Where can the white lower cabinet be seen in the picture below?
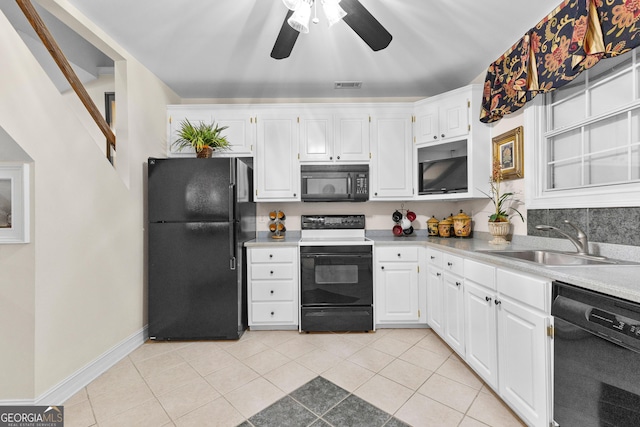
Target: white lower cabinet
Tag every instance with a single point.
(272, 287)
(524, 349)
(506, 316)
(400, 286)
(445, 302)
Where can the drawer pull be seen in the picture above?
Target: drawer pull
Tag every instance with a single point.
(438, 274)
(449, 264)
(271, 292)
(382, 267)
(432, 257)
(271, 272)
(458, 283)
(488, 299)
(497, 302)
(270, 255)
(399, 255)
(272, 313)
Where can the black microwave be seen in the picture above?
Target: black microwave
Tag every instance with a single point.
(334, 183)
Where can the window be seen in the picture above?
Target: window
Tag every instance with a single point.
(588, 138)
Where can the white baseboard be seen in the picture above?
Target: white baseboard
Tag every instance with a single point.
(66, 388)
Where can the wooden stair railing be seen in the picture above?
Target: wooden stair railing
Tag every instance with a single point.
(49, 42)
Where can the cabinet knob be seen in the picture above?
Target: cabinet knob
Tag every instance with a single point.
(375, 194)
(438, 274)
(458, 283)
(449, 264)
(497, 302)
(270, 255)
(271, 292)
(272, 313)
(338, 157)
(399, 256)
(432, 257)
(442, 135)
(435, 136)
(382, 267)
(330, 157)
(486, 298)
(294, 194)
(271, 272)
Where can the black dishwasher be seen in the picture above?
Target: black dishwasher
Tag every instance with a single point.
(596, 359)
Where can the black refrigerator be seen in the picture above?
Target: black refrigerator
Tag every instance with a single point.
(201, 211)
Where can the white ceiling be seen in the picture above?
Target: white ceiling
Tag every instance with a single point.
(221, 48)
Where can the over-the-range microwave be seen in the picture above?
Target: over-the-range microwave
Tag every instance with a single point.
(334, 183)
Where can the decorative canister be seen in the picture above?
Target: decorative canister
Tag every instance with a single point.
(444, 227)
(432, 226)
(462, 224)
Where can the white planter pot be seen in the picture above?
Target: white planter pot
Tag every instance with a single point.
(499, 230)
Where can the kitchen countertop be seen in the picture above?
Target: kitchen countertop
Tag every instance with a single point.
(616, 280)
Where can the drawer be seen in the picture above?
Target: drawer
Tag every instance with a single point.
(272, 291)
(273, 312)
(434, 257)
(398, 253)
(262, 255)
(271, 271)
(533, 291)
(482, 274)
(453, 264)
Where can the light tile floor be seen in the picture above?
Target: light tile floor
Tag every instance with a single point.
(408, 373)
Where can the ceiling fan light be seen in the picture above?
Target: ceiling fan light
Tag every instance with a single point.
(291, 4)
(299, 21)
(333, 11)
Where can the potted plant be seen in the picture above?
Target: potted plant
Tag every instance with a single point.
(203, 137)
(499, 221)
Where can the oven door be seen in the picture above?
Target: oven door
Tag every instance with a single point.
(336, 275)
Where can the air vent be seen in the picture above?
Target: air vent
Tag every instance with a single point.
(347, 85)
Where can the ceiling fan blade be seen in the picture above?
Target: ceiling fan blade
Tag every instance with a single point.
(365, 25)
(286, 40)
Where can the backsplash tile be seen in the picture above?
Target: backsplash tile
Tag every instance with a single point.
(603, 225)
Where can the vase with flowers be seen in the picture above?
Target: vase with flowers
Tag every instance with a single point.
(499, 220)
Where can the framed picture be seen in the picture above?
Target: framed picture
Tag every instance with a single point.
(14, 203)
(508, 153)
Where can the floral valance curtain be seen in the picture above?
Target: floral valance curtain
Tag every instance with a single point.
(571, 39)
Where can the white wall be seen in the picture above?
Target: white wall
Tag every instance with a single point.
(77, 290)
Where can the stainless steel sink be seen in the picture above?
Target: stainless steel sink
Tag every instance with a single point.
(553, 258)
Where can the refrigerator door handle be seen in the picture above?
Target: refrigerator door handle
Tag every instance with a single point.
(232, 263)
(232, 202)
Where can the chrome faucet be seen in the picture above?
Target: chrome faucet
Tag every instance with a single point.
(581, 241)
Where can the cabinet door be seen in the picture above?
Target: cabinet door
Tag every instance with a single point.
(426, 123)
(392, 151)
(240, 132)
(316, 137)
(352, 137)
(481, 345)
(523, 363)
(397, 296)
(454, 312)
(453, 115)
(435, 300)
(277, 171)
(175, 117)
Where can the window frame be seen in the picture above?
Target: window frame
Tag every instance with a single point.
(536, 116)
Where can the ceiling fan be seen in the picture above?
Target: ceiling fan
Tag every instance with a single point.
(352, 12)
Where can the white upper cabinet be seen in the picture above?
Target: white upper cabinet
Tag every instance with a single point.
(334, 134)
(392, 154)
(352, 142)
(241, 131)
(451, 142)
(316, 136)
(443, 116)
(277, 170)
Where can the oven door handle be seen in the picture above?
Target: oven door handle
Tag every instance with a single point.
(325, 255)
